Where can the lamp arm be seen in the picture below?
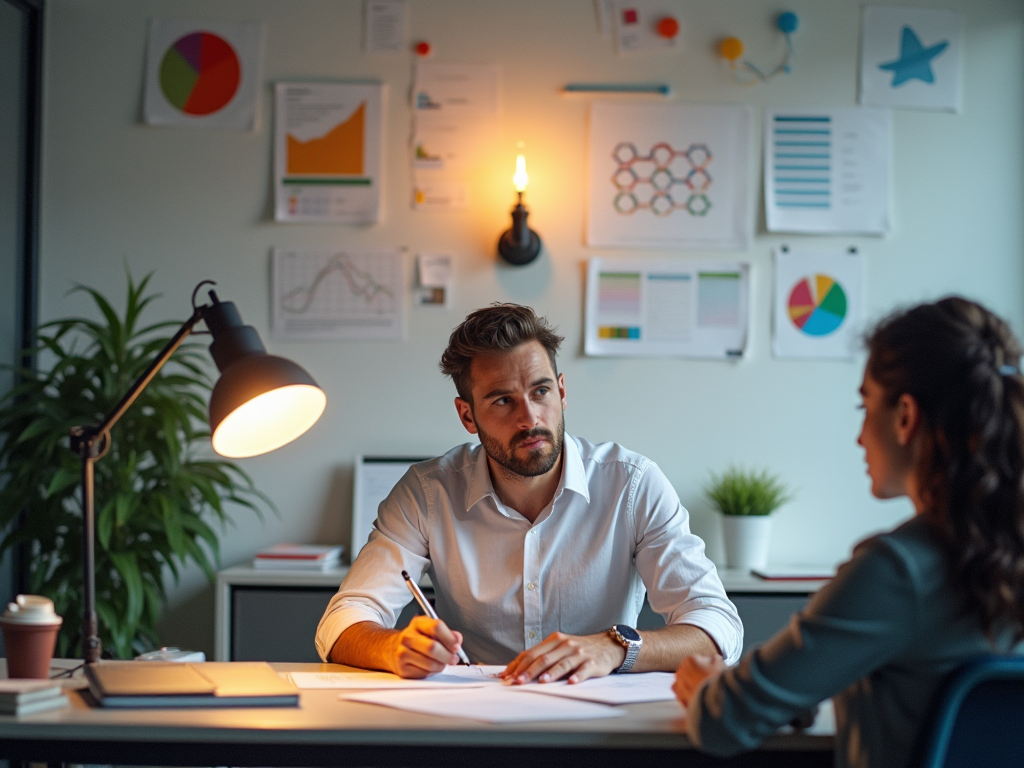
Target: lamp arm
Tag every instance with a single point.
(90, 444)
(147, 376)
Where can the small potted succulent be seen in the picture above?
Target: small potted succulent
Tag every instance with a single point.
(746, 499)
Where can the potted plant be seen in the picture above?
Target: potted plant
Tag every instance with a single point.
(159, 496)
(746, 500)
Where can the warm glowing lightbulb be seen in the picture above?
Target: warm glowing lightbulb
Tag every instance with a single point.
(269, 421)
(519, 178)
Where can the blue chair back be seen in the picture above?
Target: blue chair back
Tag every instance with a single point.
(979, 717)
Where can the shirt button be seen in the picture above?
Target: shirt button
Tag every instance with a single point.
(531, 586)
(532, 634)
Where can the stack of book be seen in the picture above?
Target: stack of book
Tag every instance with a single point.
(24, 697)
(298, 557)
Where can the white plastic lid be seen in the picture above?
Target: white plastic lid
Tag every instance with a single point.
(31, 609)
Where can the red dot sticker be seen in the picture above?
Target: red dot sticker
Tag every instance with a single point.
(423, 48)
(668, 27)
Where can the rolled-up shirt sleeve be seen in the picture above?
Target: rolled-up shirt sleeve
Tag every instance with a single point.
(374, 590)
(682, 583)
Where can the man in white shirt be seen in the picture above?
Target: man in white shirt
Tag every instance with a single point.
(539, 544)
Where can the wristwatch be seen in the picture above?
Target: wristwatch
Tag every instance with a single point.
(629, 639)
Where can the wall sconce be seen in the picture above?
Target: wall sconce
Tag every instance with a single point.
(519, 245)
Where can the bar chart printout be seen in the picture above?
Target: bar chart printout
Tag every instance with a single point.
(827, 171)
(338, 295)
(327, 145)
(664, 308)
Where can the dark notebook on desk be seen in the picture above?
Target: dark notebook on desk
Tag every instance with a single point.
(152, 684)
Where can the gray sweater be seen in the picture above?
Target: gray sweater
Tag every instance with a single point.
(879, 638)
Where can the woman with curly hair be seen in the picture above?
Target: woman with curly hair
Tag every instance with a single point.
(943, 401)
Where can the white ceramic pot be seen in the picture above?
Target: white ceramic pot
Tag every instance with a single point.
(746, 540)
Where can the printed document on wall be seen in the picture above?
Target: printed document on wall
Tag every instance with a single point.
(827, 171)
(818, 303)
(666, 308)
(456, 110)
(327, 152)
(322, 294)
(669, 176)
(203, 74)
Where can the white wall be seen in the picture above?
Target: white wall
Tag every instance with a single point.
(197, 204)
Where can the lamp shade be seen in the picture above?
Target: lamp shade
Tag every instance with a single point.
(260, 403)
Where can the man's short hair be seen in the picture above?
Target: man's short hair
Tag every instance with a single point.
(497, 328)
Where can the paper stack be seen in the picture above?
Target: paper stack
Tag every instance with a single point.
(24, 697)
(299, 557)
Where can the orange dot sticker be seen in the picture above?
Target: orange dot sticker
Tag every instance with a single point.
(731, 48)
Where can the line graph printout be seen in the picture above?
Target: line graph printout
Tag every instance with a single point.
(827, 171)
(669, 176)
(327, 152)
(338, 295)
(666, 308)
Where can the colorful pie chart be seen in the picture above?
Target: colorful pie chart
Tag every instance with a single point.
(200, 73)
(817, 305)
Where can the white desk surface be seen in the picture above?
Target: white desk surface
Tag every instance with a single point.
(322, 719)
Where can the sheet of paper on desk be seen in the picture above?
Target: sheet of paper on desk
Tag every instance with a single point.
(489, 704)
(452, 677)
(367, 681)
(614, 689)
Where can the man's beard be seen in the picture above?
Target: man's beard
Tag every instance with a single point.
(537, 462)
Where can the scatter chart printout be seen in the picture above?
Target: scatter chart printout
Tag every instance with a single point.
(337, 295)
(827, 171)
(666, 308)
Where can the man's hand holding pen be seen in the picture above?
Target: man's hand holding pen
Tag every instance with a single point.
(425, 647)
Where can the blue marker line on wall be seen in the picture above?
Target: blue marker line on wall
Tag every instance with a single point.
(636, 89)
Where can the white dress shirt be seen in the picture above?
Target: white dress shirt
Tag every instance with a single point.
(615, 524)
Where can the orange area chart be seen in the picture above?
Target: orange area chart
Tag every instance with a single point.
(339, 152)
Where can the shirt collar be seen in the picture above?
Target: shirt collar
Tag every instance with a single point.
(574, 476)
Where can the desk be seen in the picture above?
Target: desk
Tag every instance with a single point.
(245, 597)
(324, 730)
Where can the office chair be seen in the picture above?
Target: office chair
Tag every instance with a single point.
(978, 719)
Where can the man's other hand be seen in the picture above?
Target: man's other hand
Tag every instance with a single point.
(424, 647)
(561, 656)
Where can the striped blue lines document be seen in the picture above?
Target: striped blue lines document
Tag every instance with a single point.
(827, 171)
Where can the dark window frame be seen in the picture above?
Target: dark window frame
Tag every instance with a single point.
(31, 116)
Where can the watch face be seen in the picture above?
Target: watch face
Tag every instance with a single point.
(628, 633)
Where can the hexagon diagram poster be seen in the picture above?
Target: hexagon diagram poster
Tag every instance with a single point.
(669, 176)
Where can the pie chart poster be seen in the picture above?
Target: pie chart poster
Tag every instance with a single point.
(203, 74)
(818, 304)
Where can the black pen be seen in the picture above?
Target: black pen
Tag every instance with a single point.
(428, 609)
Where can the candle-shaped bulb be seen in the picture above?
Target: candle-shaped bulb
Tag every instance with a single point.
(519, 178)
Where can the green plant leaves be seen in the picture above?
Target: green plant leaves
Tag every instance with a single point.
(739, 491)
(158, 506)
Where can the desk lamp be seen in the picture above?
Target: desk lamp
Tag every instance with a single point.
(259, 403)
(519, 245)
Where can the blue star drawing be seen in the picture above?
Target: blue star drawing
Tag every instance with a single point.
(914, 62)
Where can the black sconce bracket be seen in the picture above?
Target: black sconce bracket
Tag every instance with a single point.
(519, 245)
